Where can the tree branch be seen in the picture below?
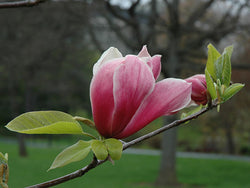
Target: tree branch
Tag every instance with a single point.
(93, 37)
(151, 34)
(24, 3)
(227, 24)
(129, 17)
(70, 176)
(96, 162)
(116, 12)
(166, 127)
(130, 44)
(173, 11)
(131, 10)
(198, 13)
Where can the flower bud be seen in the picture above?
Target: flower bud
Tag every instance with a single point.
(199, 89)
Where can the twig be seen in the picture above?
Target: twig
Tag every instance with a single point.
(70, 176)
(24, 3)
(96, 162)
(166, 127)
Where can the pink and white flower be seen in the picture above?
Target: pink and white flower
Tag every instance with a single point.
(125, 96)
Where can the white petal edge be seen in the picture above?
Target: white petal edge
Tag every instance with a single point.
(109, 54)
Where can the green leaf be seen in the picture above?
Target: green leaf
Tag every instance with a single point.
(229, 51)
(226, 72)
(3, 158)
(99, 149)
(231, 91)
(114, 148)
(86, 121)
(219, 67)
(223, 66)
(74, 153)
(210, 85)
(45, 122)
(213, 55)
(191, 112)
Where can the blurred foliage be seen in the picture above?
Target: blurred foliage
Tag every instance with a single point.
(46, 59)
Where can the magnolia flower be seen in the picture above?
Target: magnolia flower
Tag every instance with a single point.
(125, 97)
(199, 88)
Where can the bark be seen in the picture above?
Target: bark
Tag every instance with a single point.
(14, 106)
(167, 174)
(14, 109)
(229, 135)
(22, 146)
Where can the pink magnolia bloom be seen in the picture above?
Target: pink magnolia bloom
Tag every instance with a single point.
(199, 88)
(125, 97)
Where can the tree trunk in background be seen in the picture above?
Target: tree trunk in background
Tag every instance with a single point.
(167, 174)
(29, 105)
(229, 135)
(14, 113)
(22, 146)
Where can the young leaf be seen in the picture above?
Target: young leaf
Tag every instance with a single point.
(226, 72)
(45, 122)
(191, 112)
(229, 51)
(114, 148)
(231, 91)
(99, 149)
(74, 153)
(86, 121)
(210, 85)
(213, 55)
(218, 65)
(3, 158)
(223, 66)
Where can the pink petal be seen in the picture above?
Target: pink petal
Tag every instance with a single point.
(133, 81)
(169, 95)
(199, 88)
(109, 54)
(155, 64)
(101, 95)
(144, 52)
(200, 77)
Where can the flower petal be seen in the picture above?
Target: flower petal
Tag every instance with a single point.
(101, 95)
(169, 96)
(155, 64)
(144, 52)
(109, 54)
(199, 77)
(199, 88)
(133, 81)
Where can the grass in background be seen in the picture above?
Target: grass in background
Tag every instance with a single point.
(131, 171)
